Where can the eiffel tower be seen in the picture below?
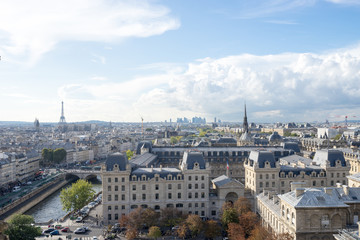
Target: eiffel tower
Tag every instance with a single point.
(62, 118)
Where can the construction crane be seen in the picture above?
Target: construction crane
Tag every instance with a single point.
(142, 126)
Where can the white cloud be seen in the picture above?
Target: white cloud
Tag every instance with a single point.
(346, 2)
(283, 87)
(32, 28)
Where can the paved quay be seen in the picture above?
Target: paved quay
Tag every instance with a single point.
(92, 221)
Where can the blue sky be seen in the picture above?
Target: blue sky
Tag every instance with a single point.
(295, 60)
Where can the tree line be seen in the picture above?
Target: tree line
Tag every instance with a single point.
(237, 221)
(50, 156)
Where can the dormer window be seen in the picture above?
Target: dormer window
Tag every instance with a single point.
(291, 174)
(134, 178)
(116, 166)
(143, 178)
(196, 165)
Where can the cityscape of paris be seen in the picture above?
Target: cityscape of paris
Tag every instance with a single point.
(155, 119)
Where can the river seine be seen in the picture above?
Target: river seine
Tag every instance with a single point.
(51, 207)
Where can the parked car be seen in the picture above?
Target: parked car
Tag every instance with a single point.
(49, 230)
(58, 226)
(65, 229)
(55, 232)
(79, 219)
(80, 230)
(16, 189)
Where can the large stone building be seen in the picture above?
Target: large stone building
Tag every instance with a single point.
(310, 213)
(186, 188)
(217, 157)
(263, 172)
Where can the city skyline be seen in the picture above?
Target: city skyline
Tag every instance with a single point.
(291, 61)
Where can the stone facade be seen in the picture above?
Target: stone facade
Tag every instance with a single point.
(309, 213)
(263, 172)
(186, 188)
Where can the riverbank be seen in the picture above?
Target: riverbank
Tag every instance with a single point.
(31, 199)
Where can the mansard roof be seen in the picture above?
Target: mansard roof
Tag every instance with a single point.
(191, 158)
(143, 144)
(329, 155)
(261, 157)
(162, 172)
(291, 145)
(313, 198)
(116, 158)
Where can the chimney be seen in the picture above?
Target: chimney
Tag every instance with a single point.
(338, 185)
(152, 168)
(328, 191)
(299, 191)
(275, 199)
(160, 168)
(346, 189)
(295, 185)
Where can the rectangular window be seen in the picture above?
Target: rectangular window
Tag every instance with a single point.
(202, 213)
(116, 197)
(157, 187)
(196, 205)
(169, 186)
(156, 196)
(143, 187)
(116, 207)
(189, 178)
(134, 196)
(116, 216)
(213, 212)
(179, 186)
(122, 188)
(169, 196)
(116, 188)
(123, 197)
(109, 179)
(144, 197)
(109, 208)
(123, 179)
(116, 179)
(123, 207)
(202, 204)
(179, 195)
(109, 216)
(109, 188)
(109, 197)
(134, 187)
(196, 195)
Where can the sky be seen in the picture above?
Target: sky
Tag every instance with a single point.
(115, 60)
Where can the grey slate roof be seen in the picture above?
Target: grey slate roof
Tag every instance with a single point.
(144, 160)
(116, 158)
(313, 198)
(329, 155)
(221, 180)
(145, 144)
(150, 172)
(291, 145)
(260, 157)
(190, 158)
(275, 137)
(288, 160)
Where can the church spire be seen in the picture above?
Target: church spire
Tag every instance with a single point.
(245, 122)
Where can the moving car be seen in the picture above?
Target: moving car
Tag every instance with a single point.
(65, 229)
(80, 230)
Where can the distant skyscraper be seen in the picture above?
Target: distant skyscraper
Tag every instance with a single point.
(62, 117)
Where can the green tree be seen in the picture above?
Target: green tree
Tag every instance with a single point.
(76, 196)
(47, 155)
(129, 154)
(59, 155)
(154, 232)
(173, 140)
(337, 137)
(229, 215)
(21, 228)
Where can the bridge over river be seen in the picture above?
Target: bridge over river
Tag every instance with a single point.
(82, 174)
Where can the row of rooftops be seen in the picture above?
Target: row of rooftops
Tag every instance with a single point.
(330, 197)
(322, 159)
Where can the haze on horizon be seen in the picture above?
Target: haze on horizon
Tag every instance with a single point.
(290, 60)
